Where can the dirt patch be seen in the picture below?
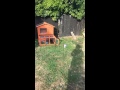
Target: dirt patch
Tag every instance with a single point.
(58, 85)
(39, 85)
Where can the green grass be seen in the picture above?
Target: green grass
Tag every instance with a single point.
(58, 68)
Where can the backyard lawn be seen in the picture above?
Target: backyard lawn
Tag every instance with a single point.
(59, 68)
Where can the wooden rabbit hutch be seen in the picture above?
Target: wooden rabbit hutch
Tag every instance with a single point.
(46, 35)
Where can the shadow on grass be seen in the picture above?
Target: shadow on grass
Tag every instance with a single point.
(36, 43)
(75, 79)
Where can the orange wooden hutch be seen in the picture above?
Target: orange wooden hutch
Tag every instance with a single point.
(46, 34)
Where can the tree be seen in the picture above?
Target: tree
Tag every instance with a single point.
(56, 8)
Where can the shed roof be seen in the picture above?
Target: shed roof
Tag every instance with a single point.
(44, 23)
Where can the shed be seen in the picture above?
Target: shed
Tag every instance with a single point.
(46, 34)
